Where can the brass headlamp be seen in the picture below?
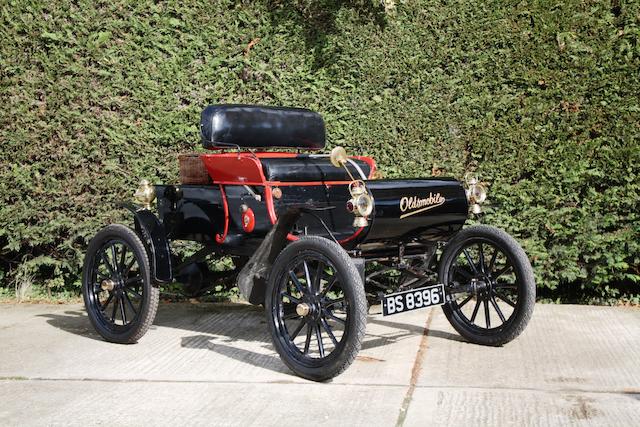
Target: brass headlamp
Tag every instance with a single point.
(145, 194)
(361, 202)
(476, 193)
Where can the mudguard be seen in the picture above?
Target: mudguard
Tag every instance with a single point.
(155, 238)
(252, 279)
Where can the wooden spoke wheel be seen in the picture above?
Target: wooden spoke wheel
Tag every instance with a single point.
(490, 285)
(316, 308)
(118, 294)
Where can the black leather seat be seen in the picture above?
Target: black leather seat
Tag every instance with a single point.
(226, 126)
(306, 168)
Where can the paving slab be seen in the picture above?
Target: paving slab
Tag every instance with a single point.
(572, 365)
(188, 342)
(563, 348)
(466, 406)
(215, 365)
(157, 403)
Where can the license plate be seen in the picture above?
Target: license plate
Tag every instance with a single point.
(413, 299)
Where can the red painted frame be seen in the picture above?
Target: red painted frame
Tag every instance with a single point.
(245, 168)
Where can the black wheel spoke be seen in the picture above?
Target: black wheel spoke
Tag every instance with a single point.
(497, 309)
(319, 339)
(114, 258)
(475, 311)
(103, 258)
(487, 319)
(115, 307)
(330, 315)
(129, 266)
(504, 298)
(136, 294)
(292, 315)
(470, 261)
(317, 279)
(466, 300)
(492, 262)
(329, 286)
(481, 257)
(106, 303)
(307, 276)
(505, 286)
(123, 255)
(135, 312)
(501, 272)
(122, 311)
(327, 329)
(307, 342)
(296, 282)
(291, 298)
(333, 302)
(298, 329)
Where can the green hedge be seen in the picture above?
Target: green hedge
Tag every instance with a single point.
(541, 98)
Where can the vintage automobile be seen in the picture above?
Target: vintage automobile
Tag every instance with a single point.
(300, 228)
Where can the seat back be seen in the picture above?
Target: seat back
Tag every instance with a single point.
(253, 126)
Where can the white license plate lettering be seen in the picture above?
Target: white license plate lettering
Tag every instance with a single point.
(412, 299)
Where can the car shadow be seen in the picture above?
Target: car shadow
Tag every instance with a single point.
(225, 328)
(417, 330)
(73, 322)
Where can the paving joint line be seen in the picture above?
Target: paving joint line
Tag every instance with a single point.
(624, 392)
(627, 392)
(415, 371)
(168, 381)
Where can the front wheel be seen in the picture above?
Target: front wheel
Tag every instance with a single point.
(489, 283)
(118, 294)
(316, 308)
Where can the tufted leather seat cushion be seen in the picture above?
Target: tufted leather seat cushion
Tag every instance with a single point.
(225, 126)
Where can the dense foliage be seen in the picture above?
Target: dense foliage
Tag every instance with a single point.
(541, 98)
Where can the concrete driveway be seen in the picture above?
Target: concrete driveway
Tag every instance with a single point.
(214, 365)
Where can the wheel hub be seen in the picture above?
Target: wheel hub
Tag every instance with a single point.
(303, 309)
(481, 287)
(107, 285)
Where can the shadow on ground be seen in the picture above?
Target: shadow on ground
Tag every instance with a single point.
(226, 328)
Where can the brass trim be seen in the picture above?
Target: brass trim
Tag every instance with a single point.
(303, 309)
(338, 156)
(145, 193)
(107, 285)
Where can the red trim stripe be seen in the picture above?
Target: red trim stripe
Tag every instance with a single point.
(220, 238)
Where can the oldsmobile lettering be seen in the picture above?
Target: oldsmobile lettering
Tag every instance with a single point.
(414, 205)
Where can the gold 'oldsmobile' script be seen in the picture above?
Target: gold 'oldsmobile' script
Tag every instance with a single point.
(413, 205)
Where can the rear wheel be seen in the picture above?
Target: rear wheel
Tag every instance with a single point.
(489, 283)
(118, 294)
(316, 308)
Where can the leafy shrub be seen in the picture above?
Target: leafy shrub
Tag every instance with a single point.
(540, 98)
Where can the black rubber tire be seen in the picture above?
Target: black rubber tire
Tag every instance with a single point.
(526, 287)
(344, 354)
(130, 333)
